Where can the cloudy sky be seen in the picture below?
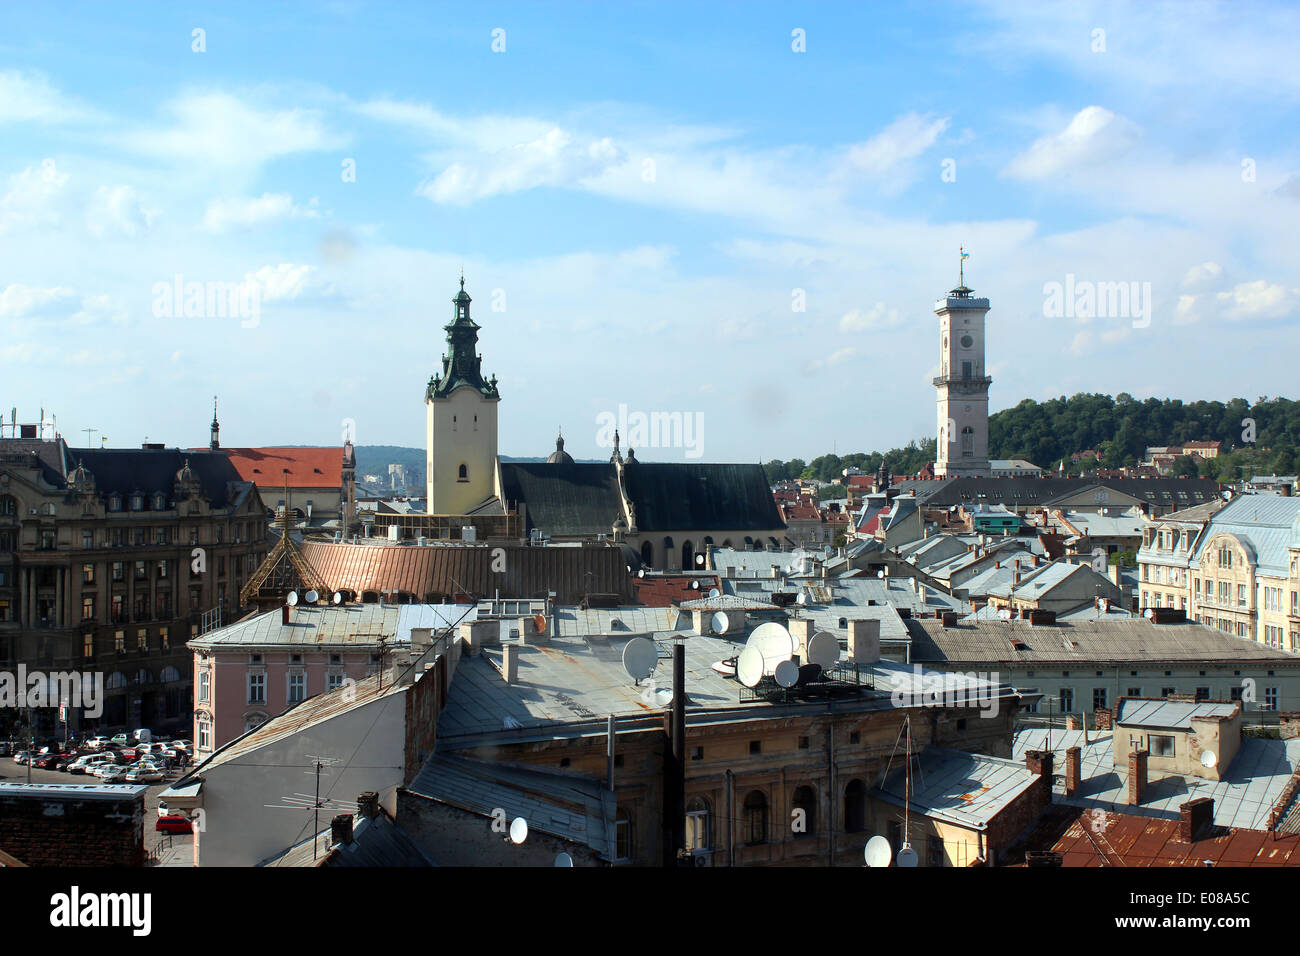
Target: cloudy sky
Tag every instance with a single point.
(642, 199)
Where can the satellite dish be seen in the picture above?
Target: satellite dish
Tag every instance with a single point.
(338, 597)
(564, 859)
(824, 649)
(719, 623)
(1209, 758)
(312, 596)
(699, 559)
(726, 668)
(907, 856)
(714, 592)
(292, 599)
(801, 599)
(539, 623)
(518, 830)
(1147, 613)
(641, 573)
(774, 642)
(878, 851)
(749, 666)
(1005, 614)
(695, 585)
(787, 673)
(657, 697)
(640, 656)
(880, 574)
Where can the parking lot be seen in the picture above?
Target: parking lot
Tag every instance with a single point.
(177, 849)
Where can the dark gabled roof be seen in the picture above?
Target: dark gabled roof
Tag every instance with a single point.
(1162, 492)
(682, 496)
(564, 499)
(150, 470)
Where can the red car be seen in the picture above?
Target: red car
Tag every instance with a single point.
(174, 825)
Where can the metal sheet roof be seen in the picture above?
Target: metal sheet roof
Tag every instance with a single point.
(1169, 714)
(345, 625)
(963, 788)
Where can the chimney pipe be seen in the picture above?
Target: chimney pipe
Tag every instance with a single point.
(674, 815)
(341, 829)
(368, 804)
(284, 615)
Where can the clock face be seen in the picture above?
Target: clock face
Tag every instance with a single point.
(967, 341)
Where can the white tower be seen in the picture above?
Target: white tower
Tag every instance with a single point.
(963, 385)
(461, 421)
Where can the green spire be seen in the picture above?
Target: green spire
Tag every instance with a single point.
(462, 364)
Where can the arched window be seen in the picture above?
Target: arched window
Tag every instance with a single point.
(697, 824)
(8, 505)
(805, 800)
(170, 674)
(647, 553)
(755, 817)
(463, 474)
(116, 681)
(855, 807)
(253, 721)
(688, 556)
(967, 442)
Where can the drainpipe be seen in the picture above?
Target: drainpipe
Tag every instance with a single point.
(731, 823)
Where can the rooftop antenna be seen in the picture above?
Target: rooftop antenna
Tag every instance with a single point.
(306, 801)
(90, 432)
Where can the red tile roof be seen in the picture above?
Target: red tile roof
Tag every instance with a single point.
(669, 590)
(306, 467)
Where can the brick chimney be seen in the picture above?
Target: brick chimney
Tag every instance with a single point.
(341, 829)
(1073, 769)
(1040, 762)
(1137, 777)
(1102, 717)
(1196, 819)
(1114, 572)
(368, 804)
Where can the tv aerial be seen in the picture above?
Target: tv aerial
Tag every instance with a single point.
(640, 657)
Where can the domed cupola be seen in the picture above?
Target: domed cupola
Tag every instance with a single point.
(560, 456)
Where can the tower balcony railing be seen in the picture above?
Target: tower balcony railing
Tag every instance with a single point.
(972, 381)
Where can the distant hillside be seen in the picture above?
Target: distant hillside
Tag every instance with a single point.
(1257, 439)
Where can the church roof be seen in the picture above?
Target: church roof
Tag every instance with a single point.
(685, 496)
(564, 499)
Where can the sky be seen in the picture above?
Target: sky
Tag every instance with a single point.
(743, 213)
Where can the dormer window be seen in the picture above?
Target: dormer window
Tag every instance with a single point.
(137, 502)
(159, 502)
(114, 503)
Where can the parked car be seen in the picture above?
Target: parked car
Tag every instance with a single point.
(144, 774)
(96, 743)
(89, 762)
(183, 744)
(143, 735)
(50, 761)
(22, 757)
(112, 774)
(174, 824)
(120, 739)
(4, 748)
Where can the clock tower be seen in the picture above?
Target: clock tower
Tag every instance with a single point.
(963, 385)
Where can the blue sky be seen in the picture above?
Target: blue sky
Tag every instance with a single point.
(639, 189)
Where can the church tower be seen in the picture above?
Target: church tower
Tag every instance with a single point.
(963, 385)
(461, 421)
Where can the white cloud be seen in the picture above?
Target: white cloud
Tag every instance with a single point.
(906, 138)
(20, 301)
(838, 357)
(26, 97)
(224, 215)
(221, 130)
(1094, 136)
(879, 316)
(279, 283)
(31, 197)
(1257, 300)
(554, 159)
(117, 210)
(1202, 273)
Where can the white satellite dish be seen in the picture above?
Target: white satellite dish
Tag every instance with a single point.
(824, 649)
(878, 851)
(292, 599)
(880, 574)
(1005, 614)
(695, 585)
(907, 856)
(640, 657)
(1147, 613)
(338, 597)
(1209, 758)
(641, 573)
(714, 592)
(564, 859)
(719, 622)
(774, 642)
(726, 668)
(699, 559)
(787, 673)
(749, 666)
(801, 599)
(312, 596)
(654, 696)
(518, 830)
